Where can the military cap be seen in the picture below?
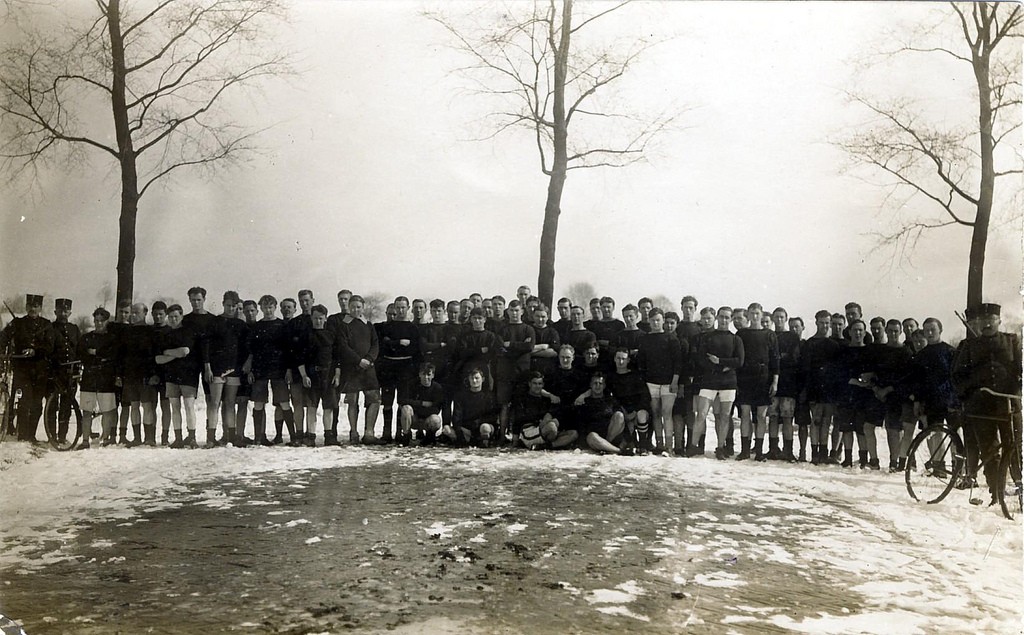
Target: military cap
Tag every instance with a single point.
(983, 309)
(62, 304)
(33, 300)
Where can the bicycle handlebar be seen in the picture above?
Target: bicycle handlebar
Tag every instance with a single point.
(999, 394)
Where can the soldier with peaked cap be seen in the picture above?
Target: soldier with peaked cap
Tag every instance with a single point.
(30, 337)
(65, 351)
(990, 360)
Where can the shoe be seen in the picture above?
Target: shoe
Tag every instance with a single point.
(847, 463)
(773, 454)
(278, 440)
(264, 442)
(485, 442)
(309, 441)
(720, 454)
(242, 442)
(939, 470)
(743, 455)
(178, 444)
(694, 450)
(901, 464)
(428, 440)
(385, 440)
(190, 442)
(760, 457)
(107, 443)
(369, 439)
(134, 443)
(874, 465)
(83, 446)
(967, 483)
(892, 467)
(802, 458)
(625, 450)
(150, 443)
(353, 438)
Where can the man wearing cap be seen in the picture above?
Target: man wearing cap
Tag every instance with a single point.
(990, 360)
(65, 351)
(30, 337)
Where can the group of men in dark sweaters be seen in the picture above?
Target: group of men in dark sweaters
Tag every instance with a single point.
(486, 372)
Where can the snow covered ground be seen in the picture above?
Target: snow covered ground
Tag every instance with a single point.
(947, 568)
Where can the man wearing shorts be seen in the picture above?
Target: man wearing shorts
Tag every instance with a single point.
(474, 412)
(396, 367)
(534, 421)
(179, 355)
(514, 360)
(358, 349)
(783, 407)
(222, 369)
(684, 408)
(320, 376)
(719, 355)
(138, 374)
(660, 360)
(817, 362)
(98, 352)
(420, 407)
(266, 368)
(603, 419)
(757, 382)
(544, 356)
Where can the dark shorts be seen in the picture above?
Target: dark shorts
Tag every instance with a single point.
(262, 389)
(138, 390)
(752, 389)
(393, 374)
(322, 391)
(850, 420)
(359, 380)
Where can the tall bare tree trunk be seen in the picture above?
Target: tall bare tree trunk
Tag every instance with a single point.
(559, 162)
(979, 239)
(126, 157)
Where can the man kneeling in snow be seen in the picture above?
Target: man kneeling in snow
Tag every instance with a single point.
(533, 423)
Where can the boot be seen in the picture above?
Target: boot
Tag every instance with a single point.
(289, 420)
(694, 450)
(787, 451)
(331, 437)
(729, 446)
(279, 425)
(211, 439)
(165, 437)
(773, 449)
(848, 460)
(136, 436)
(874, 465)
(862, 456)
(744, 449)
(802, 458)
(353, 436)
(122, 439)
(309, 439)
(179, 440)
(759, 454)
(150, 434)
(901, 464)
(429, 439)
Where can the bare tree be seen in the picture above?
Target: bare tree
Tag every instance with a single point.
(952, 165)
(164, 71)
(536, 60)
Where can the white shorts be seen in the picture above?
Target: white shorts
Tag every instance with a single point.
(530, 436)
(724, 396)
(97, 401)
(181, 390)
(660, 391)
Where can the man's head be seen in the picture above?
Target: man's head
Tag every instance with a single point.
(656, 318)
(671, 321)
(288, 308)
(452, 308)
(477, 319)
(723, 318)
(607, 308)
(576, 317)
(197, 298)
(318, 315)
(754, 313)
(540, 316)
(159, 312)
(62, 309)
(475, 378)
(419, 310)
(838, 324)
(986, 317)
(566, 356)
(488, 306)
(138, 314)
(343, 297)
(932, 328)
(796, 325)
(630, 315)
(477, 300)
(877, 328)
(598, 382)
(822, 323)
(893, 329)
(33, 304)
(564, 304)
(355, 306)
(739, 318)
(644, 306)
(100, 318)
(123, 311)
(621, 359)
(306, 301)
(230, 303)
(590, 356)
(174, 315)
(857, 332)
(595, 308)
(401, 308)
(268, 305)
(688, 308)
(250, 310)
(535, 382)
(853, 312)
(515, 312)
(498, 305)
(708, 317)
(426, 373)
(437, 311)
(523, 294)
(780, 318)
(909, 326)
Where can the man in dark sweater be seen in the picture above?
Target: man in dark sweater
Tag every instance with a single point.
(358, 349)
(544, 356)
(534, 421)
(783, 407)
(660, 362)
(684, 409)
(474, 412)
(719, 355)
(578, 336)
(478, 348)
(817, 357)
(420, 407)
(98, 352)
(437, 346)
(178, 353)
(606, 328)
(137, 370)
(517, 344)
(65, 352)
(321, 377)
(266, 367)
(564, 322)
(757, 382)
(396, 366)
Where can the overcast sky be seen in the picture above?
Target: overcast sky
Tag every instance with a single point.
(370, 178)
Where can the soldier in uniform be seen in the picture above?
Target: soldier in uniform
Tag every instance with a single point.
(990, 360)
(30, 338)
(65, 351)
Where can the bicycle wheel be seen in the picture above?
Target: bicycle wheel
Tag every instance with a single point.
(1009, 491)
(935, 462)
(63, 439)
(5, 410)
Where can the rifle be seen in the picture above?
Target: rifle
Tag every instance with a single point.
(10, 310)
(963, 320)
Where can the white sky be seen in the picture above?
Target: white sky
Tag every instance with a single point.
(370, 179)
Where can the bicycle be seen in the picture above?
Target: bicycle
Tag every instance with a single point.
(937, 462)
(64, 436)
(8, 401)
